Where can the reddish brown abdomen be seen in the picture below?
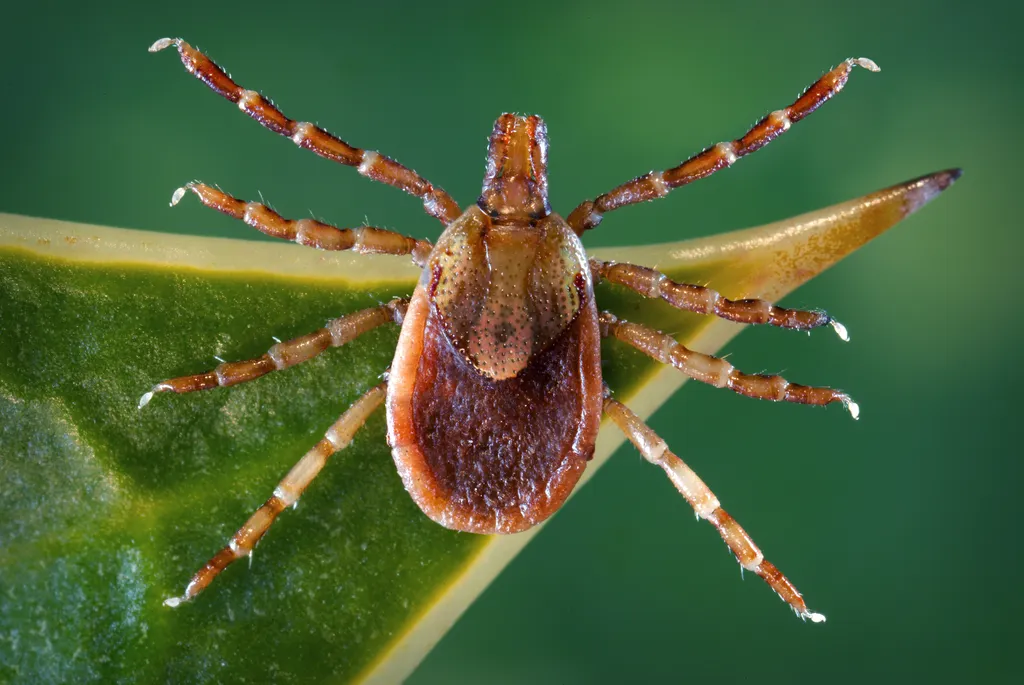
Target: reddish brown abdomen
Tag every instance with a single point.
(492, 456)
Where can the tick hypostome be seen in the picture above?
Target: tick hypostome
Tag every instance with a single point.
(494, 397)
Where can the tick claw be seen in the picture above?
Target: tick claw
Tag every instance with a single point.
(851, 406)
(159, 387)
(815, 617)
(144, 400)
(178, 194)
(868, 64)
(174, 602)
(164, 43)
(840, 330)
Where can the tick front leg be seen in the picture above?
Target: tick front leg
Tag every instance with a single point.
(658, 183)
(308, 232)
(337, 332)
(715, 370)
(436, 202)
(286, 493)
(706, 505)
(696, 298)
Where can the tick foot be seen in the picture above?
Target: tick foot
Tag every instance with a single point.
(850, 406)
(174, 602)
(164, 43)
(144, 400)
(179, 193)
(840, 330)
(814, 616)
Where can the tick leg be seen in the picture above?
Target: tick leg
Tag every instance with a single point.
(696, 298)
(706, 505)
(286, 493)
(715, 370)
(309, 232)
(436, 202)
(337, 332)
(658, 183)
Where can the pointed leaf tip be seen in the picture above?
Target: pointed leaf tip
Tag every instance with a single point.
(923, 190)
(771, 260)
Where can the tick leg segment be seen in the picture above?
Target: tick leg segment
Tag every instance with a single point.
(658, 183)
(715, 370)
(337, 332)
(436, 202)
(308, 232)
(286, 493)
(706, 505)
(696, 298)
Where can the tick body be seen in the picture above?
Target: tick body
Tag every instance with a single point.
(494, 397)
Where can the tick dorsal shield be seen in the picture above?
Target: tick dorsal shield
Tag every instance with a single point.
(505, 292)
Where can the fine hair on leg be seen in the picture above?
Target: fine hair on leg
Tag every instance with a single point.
(715, 370)
(286, 354)
(657, 184)
(436, 202)
(705, 505)
(286, 493)
(308, 232)
(700, 299)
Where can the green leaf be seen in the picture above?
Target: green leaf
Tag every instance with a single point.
(109, 509)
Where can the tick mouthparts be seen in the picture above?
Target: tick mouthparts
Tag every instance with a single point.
(523, 139)
(516, 180)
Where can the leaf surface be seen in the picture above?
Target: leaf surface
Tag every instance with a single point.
(109, 510)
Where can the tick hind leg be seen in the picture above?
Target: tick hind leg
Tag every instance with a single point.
(658, 183)
(286, 493)
(308, 232)
(702, 300)
(706, 505)
(436, 202)
(715, 370)
(337, 332)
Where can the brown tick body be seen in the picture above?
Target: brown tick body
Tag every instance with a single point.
(495, 397)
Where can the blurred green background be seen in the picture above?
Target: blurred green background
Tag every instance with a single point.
(900, 527)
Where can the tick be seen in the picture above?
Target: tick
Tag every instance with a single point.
(495, 396)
